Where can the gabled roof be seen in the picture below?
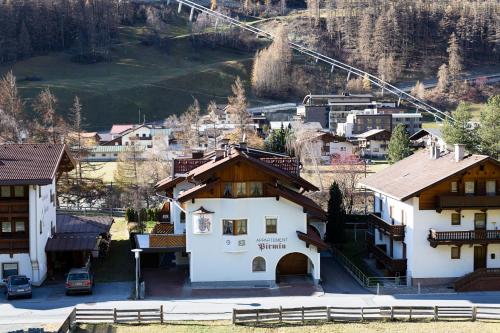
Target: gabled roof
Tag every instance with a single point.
(417, 172)
(435, 132)
(308, 204)
(33, 164)
(371, 133)
(264, 163)
(117, 129)
(311, 237)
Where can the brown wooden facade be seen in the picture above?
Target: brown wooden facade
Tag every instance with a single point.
(14, 219)
(440, 195)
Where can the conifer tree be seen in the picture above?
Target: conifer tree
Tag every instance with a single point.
(489, 130)
(335, 228)
(399, 145)
(460, 130)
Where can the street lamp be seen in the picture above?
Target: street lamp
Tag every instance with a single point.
(137, 255)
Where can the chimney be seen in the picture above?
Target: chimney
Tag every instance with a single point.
(220, 154)
(459, 152)
(432, 150)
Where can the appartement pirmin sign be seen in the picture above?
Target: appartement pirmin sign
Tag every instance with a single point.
(271, 243)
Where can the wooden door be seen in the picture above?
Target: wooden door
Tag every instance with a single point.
(293, 264)
(479, 257)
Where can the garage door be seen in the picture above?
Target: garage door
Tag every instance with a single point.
(293, 264)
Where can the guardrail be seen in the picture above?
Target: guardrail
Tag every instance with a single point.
(362, 278)
(360, 314)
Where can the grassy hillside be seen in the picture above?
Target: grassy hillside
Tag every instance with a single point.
(138, 78)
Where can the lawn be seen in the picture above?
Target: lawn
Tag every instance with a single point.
(119, 264)
(226, 327)
(137, 78)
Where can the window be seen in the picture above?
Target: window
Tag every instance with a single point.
(20, 226)
(5, 191)
(469, 187)
(19, 191)
(343, 148)
(6, 227)
(258, 264)
(228, 190)
(51, 196)
(491, 187)
(241, 189)
(454, 187)
(183, 217)
(380, 236)
(271, 225)
(9, 269)
(455, 218)
(256, 189)
(234, 227)
(39, 191)
(41, 226)
(480, 221)
(455, 252)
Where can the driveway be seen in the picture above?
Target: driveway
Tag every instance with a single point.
(336, 280)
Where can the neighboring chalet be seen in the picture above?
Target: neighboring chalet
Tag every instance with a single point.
(436, 219)
(331, 147)
(427, 137)
(239, 217)
(374, 143)
(28, 176)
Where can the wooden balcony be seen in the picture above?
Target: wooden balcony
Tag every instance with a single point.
(14, 208)
(14, 245)
(436, 238)
(396, 232)
(468, 202)
(393, 265)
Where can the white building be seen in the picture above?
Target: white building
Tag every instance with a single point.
(436, 219)
(28, 174)
(243, 219)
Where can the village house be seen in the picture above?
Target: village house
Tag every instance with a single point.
(28, 177)
(239, 218)
(436, 218)
(374, 143)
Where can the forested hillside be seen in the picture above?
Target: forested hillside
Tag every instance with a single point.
(121, 57)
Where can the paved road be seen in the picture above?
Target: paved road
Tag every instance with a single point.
(50, 305)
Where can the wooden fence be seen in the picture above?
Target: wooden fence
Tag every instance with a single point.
(115, 316)
(360, 314)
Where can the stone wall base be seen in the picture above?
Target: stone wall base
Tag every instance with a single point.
(430, 282)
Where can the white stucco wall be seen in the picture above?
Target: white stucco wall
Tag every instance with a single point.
(175, 211)
(428, 262)
(210, 260)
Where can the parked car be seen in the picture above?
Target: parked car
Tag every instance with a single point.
(17, 286)
(79, 280)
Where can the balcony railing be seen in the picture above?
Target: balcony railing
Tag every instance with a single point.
(468, 201)
(15, 245)
(396, 232)
(393, 265)
(436, 238)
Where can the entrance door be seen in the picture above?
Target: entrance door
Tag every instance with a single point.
(293, 264)
(479, 257)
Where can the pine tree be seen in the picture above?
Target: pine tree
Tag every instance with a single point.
(455, 65)
(489, 130)
(443, 79)
(460, 130)
(365, 49)
(399, 145)
(335, 228)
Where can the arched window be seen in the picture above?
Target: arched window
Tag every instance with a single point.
(258, 264)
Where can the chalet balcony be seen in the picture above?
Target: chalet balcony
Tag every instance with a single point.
(393, 265)
(14, 245)
(470, 237)
(396, 232)
(468, 202)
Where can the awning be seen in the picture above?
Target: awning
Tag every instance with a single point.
(72, 242)
(312, 238)
(161, 242)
